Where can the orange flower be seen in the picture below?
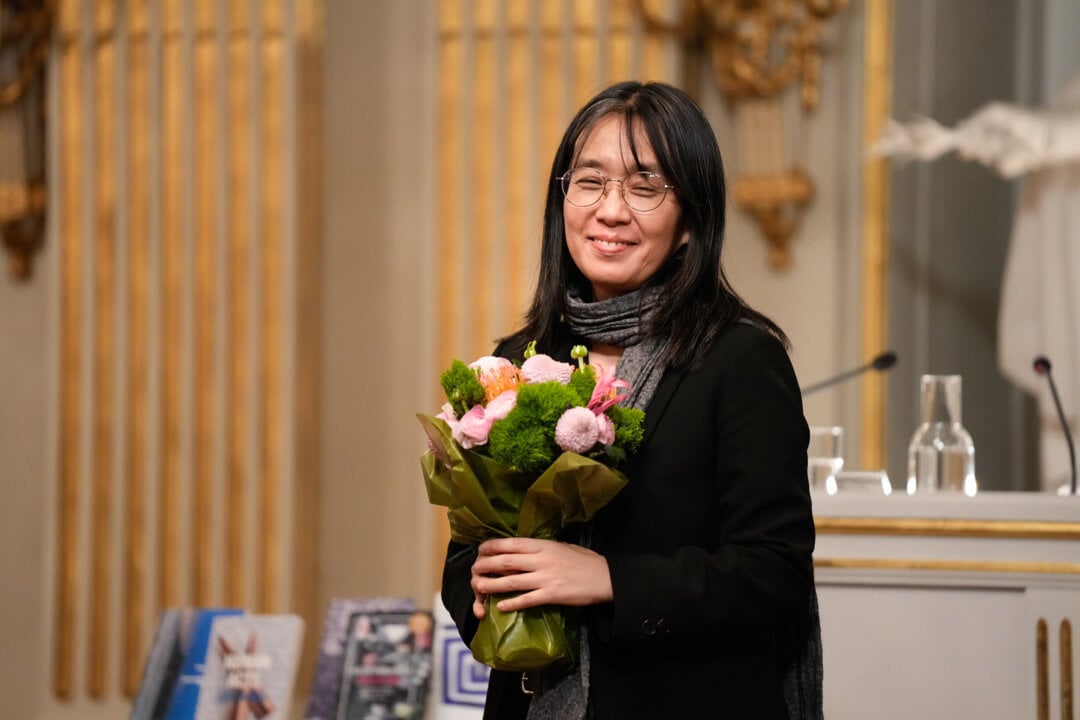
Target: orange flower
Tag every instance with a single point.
(497, 375)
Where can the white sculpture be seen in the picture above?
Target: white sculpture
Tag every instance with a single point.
(1010, 139)
(1040, 295)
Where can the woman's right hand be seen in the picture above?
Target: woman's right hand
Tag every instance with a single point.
(538, 572)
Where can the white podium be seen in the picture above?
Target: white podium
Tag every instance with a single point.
(945, 606)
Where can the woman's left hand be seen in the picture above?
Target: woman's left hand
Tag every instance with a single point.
(543, 572)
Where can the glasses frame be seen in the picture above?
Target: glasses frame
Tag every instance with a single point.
(564, 182)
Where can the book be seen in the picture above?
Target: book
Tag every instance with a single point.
(250, 667)
(326, 683)
(388, 660)
(162, 667)
(459, 681)
(185, 695)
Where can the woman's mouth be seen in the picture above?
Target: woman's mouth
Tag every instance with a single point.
(610, 244)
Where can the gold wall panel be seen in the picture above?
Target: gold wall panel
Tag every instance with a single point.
(877, 84)
(510, 75)
(178, 219)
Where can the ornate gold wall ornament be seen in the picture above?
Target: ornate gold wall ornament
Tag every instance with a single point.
(775, 201)
(25, 37)
(758, 50)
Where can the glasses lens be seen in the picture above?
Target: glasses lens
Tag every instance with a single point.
(644, 191)
(583, 187)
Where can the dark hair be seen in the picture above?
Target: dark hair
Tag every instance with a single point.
(698, 302)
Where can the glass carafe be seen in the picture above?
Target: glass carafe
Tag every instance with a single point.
(941, 456)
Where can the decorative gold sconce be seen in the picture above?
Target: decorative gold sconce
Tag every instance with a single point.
(25, 35)
(758, 49)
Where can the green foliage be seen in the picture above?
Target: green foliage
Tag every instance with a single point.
(462, 388)
(525, 438)
(582, 382)
(629, 427)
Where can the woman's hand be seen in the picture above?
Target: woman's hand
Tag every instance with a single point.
(543, 572)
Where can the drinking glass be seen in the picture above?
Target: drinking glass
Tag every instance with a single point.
(825, 456)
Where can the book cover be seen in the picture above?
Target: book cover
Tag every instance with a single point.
(185, 696)
(250, 667)
(162, 667)
(387, 671)
(459, 682)
(326, 682)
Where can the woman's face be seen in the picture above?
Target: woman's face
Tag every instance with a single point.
(616, 248)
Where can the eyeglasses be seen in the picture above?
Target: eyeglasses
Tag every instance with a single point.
(641, 191)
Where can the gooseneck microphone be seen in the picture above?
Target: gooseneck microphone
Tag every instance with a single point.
(884, 361)
(1042, 366)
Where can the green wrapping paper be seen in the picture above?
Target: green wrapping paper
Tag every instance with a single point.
(485, 500)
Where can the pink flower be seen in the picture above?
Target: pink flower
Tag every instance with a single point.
(577, 430)
(450, 418)
(448, 414)
(472, 429)
(542, 368)
(607, 429)
(606, 393)
(489, 364)
(475, 425)
(501, 405)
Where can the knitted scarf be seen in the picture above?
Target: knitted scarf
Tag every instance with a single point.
(619, 322)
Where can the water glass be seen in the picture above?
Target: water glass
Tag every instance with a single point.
(825, 456)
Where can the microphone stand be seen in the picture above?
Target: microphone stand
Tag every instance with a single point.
(884, 361)
(1042, 366)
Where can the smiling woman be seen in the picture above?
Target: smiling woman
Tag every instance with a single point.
(616, 246)
(694, 587)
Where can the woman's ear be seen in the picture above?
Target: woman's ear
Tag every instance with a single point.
(685, 239)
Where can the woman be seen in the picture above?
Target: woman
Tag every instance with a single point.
(695, 584)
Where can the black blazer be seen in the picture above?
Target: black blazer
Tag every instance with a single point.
(709, 548)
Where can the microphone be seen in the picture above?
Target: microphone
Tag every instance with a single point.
(1042, 367)
(884, 361)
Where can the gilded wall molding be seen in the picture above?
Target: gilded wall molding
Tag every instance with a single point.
(938, 527)
(958, 566)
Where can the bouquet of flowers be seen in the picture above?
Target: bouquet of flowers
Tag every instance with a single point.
(525, 451)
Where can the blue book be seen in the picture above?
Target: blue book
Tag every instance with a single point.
(185, 698)
(162, 666)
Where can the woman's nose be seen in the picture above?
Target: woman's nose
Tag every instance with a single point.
(611, 204)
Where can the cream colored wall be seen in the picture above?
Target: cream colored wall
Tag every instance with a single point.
(25, 501)
(376, 528)
(816, 300)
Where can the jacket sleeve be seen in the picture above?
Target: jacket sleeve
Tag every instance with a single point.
(738, 564)
(457, 594)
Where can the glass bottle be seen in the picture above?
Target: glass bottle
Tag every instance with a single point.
(941, 456)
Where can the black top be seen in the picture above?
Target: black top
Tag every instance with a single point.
(709, 547)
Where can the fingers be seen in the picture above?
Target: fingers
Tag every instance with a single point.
(478, 606)
(502, 546)
(538, 572)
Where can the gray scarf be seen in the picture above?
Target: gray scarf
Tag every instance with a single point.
(618, 322)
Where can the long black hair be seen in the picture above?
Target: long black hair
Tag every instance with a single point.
(697, 302)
